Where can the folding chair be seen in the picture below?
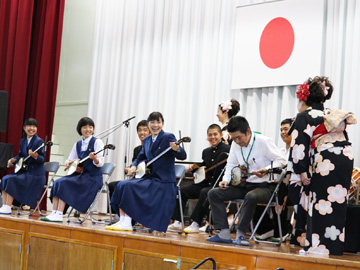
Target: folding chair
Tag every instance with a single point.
(107, 170)
(180, 174)
(274, 203)
(50, 167)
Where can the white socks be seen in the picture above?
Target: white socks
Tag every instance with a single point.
(224, 234)
(126, 221)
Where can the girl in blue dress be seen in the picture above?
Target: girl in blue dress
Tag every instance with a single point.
(79, 189)
(26, 185)
(149, 200)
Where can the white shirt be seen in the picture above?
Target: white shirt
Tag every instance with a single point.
(85, 143)
(263, 151)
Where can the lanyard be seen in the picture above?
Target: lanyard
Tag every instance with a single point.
(246, 161)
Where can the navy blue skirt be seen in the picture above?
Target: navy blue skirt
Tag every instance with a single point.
(77, 190)
(148, 201)
(24, 187)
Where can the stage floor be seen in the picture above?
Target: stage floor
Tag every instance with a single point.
(145, 250)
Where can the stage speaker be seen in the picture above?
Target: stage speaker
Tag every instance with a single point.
(3, 110)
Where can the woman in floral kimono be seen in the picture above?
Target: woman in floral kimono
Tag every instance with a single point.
(321, 158)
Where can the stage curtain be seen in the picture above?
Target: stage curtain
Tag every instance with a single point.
(30, 40)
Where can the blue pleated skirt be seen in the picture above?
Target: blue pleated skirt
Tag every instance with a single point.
(24, 187)
(77, 190)
(147, 200)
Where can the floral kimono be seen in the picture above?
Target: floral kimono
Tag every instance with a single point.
(321, 148)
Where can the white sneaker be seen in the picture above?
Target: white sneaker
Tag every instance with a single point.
(265, 236)
(5, 210)
(110, 227)
(284, 238)
(176, 226)
(191, 229)
(53, 218)
(203, 228)
(119, 226)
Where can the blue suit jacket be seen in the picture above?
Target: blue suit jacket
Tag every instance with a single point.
(35, 166)
(162, 169)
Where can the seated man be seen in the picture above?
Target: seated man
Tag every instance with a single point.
(142, 132)
(211, 156)
(255, 152)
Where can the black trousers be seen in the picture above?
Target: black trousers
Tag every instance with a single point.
(252, 194)
(194, 191)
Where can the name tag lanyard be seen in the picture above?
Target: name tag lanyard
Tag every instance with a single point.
(246, 160)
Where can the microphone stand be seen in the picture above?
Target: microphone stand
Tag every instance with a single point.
(108, 131)
(112, 129)
(127, 143)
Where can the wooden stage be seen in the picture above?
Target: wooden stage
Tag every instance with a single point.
(28, 243)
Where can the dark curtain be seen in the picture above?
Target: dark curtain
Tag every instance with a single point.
(30, 41)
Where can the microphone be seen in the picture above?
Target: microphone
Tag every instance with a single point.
(291, 127)
(128, 120)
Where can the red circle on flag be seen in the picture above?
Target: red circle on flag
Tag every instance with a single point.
(276, 43)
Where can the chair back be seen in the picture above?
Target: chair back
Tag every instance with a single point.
(355, 183)
(52, 166)
(108, 168)
(179, 171)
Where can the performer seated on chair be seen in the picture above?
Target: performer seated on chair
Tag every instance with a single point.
(269, 227)
(142, 132)
(211, 156)
(255, 152)
(79, 189)
(26, 185)
(150, 200)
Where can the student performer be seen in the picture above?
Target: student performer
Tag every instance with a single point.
(79, 189)
(225, 111)
(26, 185)
(212, 155)
(150, 200)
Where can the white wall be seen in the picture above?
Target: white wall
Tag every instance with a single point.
(74, 74)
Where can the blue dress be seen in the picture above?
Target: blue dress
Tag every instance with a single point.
(79, 190)
(151, 200)
(26, 185)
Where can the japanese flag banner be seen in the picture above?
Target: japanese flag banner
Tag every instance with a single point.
(277, 43)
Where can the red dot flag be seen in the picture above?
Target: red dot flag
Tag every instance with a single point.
(277, 43)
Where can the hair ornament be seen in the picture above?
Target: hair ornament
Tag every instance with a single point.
(226, 105)
(303, 92)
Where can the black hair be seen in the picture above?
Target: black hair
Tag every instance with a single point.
(235, 108)
(141, 123)
(214, 126)
(286, 121)
(238, 123)
(84, 122)
(155, 116)
(29, 122)
(316, 89)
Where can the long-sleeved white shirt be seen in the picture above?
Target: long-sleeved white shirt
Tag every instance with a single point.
(263, 152)
(85, 143)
